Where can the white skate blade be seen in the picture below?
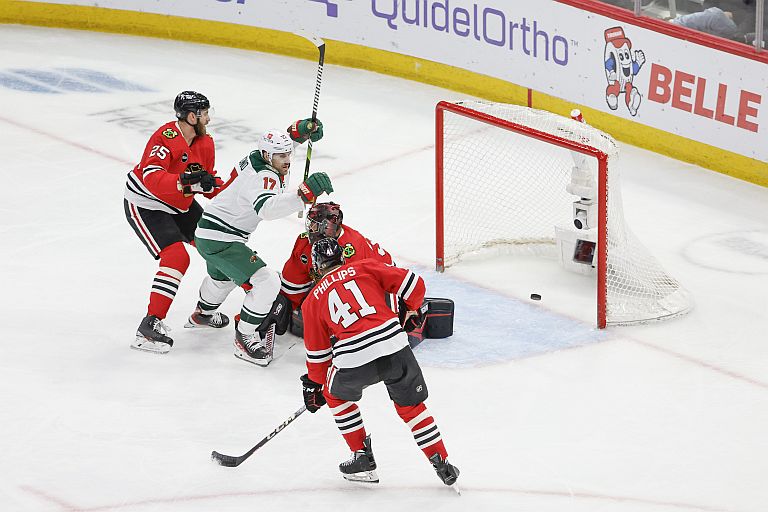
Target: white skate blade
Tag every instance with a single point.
(455, 487)
(145, 345)
(248, 359)
(192, 325)
(366, 477)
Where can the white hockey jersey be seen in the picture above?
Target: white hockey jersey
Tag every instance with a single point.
(255, 194)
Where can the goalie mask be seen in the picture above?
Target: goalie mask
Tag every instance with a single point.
(324, 220)
(190, 101)
(275, 141)
(326, 254)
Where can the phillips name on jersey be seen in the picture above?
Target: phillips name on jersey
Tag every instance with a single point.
(333, 278)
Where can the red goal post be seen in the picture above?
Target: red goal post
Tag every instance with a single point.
(631, 286)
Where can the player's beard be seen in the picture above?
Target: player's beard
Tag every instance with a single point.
(200, 129)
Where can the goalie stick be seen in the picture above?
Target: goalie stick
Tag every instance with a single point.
(320, 44)
(232, 461)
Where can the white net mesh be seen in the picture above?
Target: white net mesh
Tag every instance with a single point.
(505, 191)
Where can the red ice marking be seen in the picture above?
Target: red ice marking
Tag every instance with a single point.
(703, 364)
(65, 141)
(48, 497)
(394, 158)
(467, 491)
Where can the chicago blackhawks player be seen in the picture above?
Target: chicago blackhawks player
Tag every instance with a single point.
(369, 346)
(323, 220)
(160, 206)
(256, 193)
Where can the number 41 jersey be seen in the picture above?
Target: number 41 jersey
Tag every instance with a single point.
(349, 306)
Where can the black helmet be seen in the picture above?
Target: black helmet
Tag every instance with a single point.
(324, 220)
(190, 101)
(326, 253)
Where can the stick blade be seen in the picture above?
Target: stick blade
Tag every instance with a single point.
(224, 460)
(311, 37)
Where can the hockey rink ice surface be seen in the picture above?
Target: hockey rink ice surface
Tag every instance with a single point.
(539, 410)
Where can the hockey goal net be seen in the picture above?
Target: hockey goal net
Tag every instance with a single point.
(502, 173)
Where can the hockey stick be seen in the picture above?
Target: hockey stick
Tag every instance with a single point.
(231, 461)
(321, 47)
(269, 341)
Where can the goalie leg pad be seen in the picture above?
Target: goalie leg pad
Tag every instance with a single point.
(279, 315)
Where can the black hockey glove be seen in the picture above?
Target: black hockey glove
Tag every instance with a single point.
(195, 179)
(313, 394)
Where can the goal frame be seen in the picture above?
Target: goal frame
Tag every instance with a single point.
(602, 188)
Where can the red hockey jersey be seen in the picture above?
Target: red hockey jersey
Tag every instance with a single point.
(348, 307)
(296, 278)
(153, 183)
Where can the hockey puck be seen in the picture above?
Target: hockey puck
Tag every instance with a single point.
(535, 296)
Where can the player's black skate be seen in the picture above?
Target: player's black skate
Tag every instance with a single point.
(250, 348)
(152, 336)
(361, 467)
(447, 472)
(199, 319)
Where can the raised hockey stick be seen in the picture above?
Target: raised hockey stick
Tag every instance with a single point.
(320, 44)
(231, 461)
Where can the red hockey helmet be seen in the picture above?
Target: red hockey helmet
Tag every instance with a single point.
(324, 220)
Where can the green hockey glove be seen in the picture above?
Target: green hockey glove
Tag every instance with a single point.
(316, 184)
(304, 129)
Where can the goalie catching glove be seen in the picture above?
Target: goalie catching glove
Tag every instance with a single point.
(195, 179)
(304, 129)
(313, 394)
(316, 184)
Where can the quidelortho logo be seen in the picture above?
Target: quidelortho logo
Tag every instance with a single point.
(331, 8)
(487, 25)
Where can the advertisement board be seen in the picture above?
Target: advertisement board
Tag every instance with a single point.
(674, 85)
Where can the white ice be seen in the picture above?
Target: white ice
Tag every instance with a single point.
(539, 410)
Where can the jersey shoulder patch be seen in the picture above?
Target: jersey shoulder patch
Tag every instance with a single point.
(170, 133)
(304, 235)
(349, 250)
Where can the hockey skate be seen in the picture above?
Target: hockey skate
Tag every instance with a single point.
(361, 467)
(152, 336)
(251, 348)
(199, 319)
(447, 472)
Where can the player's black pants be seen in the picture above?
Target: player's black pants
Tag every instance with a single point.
(157, 230)
(400, 372)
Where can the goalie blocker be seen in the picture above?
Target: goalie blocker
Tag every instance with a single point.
(434, 321)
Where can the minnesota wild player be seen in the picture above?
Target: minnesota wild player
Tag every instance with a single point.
(256, 193)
